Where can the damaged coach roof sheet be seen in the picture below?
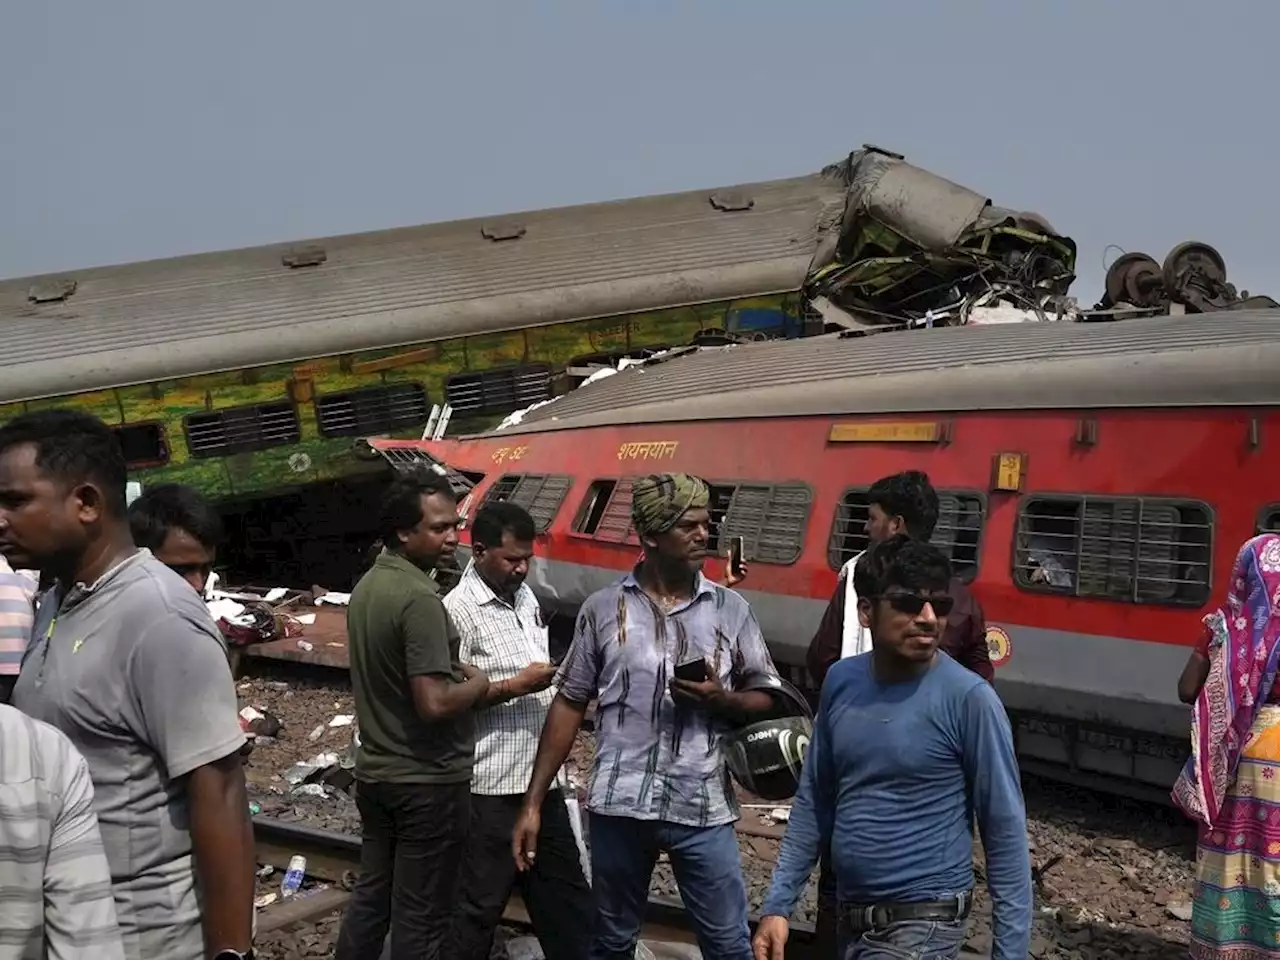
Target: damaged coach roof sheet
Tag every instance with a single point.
(110, 326)
(1227, 357)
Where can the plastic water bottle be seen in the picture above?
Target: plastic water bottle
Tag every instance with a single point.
(293, 878)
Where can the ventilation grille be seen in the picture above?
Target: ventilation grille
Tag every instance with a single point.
(498, 391)
(372, 410)
(242, 429)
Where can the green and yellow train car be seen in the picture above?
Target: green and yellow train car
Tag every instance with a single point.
(253, 374)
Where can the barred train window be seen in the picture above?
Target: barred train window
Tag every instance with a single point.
(1269, 519)
(540, 494)
(770, 518)
(606, 512)
(498, 391)
(1144, 550)
(370, 410)
(958, 532)
(242, 429)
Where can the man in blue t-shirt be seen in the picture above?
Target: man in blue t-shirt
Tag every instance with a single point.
(908, 745)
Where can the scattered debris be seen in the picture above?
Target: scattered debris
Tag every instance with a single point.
(294, 877)
(310, 771)
(256, 723)
(1179, 911)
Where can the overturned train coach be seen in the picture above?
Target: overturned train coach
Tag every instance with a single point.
(1096, 483)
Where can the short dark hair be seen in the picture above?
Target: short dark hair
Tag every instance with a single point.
(402, 500)
(903, 562)
(494, 519)
(908, 495)
(74, 448)
(173, 506)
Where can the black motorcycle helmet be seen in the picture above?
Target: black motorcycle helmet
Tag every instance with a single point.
(766, 756)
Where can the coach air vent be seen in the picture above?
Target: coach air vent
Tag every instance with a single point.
(503, 230)
(729, 201)
(311, 256)
(51, 291)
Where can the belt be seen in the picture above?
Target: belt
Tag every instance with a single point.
(861, 917)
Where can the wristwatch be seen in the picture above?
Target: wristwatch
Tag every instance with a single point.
(233, 955)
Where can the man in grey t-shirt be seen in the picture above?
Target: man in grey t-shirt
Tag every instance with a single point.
(126, 661)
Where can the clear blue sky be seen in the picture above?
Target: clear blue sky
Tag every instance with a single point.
(134, 129)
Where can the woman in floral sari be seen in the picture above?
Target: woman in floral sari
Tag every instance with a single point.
(1231, 783)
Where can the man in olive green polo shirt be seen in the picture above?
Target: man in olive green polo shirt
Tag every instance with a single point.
(414, 707)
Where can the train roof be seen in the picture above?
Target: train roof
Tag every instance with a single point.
(1223, 358)
(209, 312)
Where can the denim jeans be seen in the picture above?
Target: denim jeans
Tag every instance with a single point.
(907, 940)
(708, 868)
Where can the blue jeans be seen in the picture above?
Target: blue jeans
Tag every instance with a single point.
(907, 940)
(708, 868)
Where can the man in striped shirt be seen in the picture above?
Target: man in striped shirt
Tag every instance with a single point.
(17, 591)
(503, 634)
(659, 782)
(54, 879)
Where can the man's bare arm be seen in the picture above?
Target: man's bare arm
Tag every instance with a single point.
(222, 840)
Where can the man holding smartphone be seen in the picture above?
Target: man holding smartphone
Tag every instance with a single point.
(661, 651)
(503, 634)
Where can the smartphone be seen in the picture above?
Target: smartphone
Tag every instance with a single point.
(735, 556)
(695, 671)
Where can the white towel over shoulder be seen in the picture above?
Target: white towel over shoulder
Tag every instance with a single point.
(856, 638)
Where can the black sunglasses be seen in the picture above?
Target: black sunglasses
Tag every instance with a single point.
(912, 603)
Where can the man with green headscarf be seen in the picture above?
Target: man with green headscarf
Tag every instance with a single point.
(659, 782)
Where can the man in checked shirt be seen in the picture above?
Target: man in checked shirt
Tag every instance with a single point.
(503, 634)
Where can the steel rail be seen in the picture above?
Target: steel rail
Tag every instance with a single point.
(334, 857)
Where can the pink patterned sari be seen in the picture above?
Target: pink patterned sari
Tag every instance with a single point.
(1231, 783)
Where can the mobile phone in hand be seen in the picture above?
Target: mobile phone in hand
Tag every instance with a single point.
(735, 557)
(695, 671)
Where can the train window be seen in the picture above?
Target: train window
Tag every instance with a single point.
(606, 512)
(540, 494)
(1269, 519)
(372, 410)
(498, 391)
(143, 445)
(242, 429)
(771, 519)
(1144, 550)
(958, 532)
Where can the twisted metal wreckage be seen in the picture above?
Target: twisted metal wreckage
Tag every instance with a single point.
(910, 248)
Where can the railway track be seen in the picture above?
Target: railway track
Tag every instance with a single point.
(331, 664)
(335, 859)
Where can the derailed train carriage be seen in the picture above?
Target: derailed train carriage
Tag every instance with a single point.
(1096, 483)
(252, 374)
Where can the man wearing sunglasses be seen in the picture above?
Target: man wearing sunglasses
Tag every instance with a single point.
(904, 503)
(897, 808)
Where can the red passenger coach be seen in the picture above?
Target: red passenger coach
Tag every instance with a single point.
(1097, 480)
